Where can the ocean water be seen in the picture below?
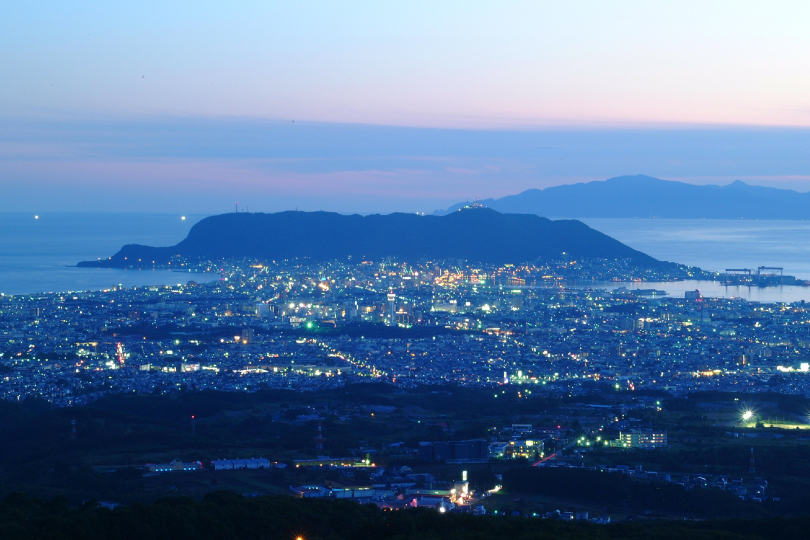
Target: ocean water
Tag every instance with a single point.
(713, 289)
(716, 245)
(39, 255)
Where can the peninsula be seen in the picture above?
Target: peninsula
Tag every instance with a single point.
(473, 234)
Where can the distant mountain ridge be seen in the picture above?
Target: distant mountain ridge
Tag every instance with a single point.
(477, 235)
(646, 197)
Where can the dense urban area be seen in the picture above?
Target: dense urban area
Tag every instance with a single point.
(519, 390)
(311, 327)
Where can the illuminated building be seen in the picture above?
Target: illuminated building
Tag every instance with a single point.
(174, 466)
(530, 449)
(392, 310)
(642, 438)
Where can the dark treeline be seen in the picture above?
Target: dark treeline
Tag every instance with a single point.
(786, 467)
(732, 459)
(619, 492)
(161, 422)
(39, 456)
(788, 403)
(225, 515)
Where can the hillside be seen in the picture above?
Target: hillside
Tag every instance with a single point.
(644, 197)
(474, 234)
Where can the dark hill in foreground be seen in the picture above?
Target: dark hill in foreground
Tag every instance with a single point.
(474, 234)
(645, 197)
(227, 515)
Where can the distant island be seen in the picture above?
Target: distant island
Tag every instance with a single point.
(473, 234)
(647, 197)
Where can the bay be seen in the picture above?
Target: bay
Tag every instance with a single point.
(39, 253)
(716, 245)
(712, 289)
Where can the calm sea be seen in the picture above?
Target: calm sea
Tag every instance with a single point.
(39, 255)
(717, 245)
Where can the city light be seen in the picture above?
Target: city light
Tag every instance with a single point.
(747, 415)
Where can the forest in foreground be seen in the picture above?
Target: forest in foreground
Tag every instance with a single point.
(226, 515)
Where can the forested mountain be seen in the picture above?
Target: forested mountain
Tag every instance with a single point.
(644, 197)
(474, 234)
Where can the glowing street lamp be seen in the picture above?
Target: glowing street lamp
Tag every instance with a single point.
(747, 415)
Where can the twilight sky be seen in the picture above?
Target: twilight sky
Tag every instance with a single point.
(382, 106)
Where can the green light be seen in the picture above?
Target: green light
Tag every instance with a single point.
(309, 325)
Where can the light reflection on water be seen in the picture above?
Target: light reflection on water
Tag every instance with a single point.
(713, 289)
(38, 255)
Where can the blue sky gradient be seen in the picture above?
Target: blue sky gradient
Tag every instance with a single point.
(382, 106)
